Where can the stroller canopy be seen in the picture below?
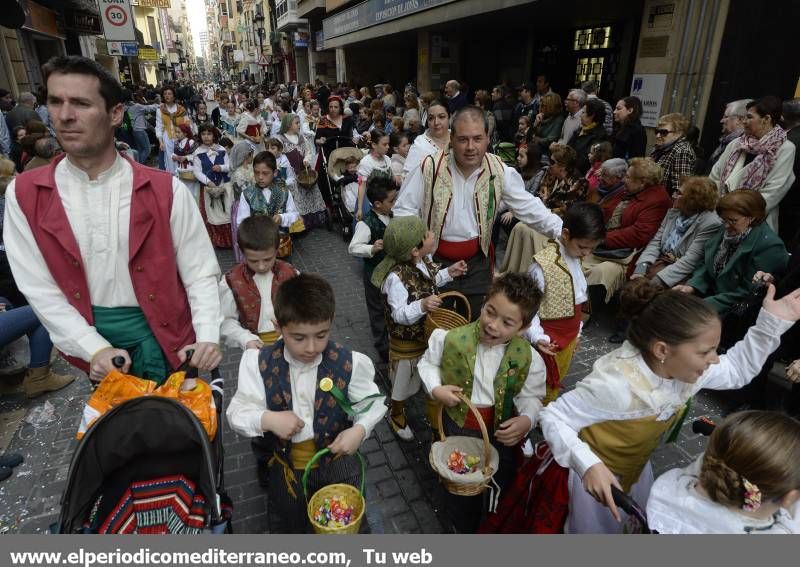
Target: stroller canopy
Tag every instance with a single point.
(140, 439)
(337, 157)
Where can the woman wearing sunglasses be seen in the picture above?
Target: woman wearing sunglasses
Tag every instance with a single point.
(673, 152)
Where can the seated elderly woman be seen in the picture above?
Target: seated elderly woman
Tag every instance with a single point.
(560, 187)
(745, 245)
(673, 152)
(760, 159)
(632, 218)
(677, 248)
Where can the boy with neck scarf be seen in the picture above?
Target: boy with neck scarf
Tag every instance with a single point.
(409, 281)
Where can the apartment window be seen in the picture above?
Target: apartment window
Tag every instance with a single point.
(592, 38)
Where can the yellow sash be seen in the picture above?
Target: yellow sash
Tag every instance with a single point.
(269, 338)
(300, 453)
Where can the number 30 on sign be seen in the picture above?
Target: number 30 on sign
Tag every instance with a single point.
(117, 20)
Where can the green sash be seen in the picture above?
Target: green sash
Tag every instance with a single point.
(127, 328)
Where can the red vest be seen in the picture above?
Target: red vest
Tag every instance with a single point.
(152, 264)
(245, 292)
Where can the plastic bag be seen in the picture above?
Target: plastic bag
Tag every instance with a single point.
(117, 388)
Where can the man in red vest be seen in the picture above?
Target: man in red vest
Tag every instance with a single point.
(112, 255)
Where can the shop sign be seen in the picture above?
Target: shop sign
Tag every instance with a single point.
(151, 3)
(374, 12)
(123, 48)
(148, 54)
(40, 19)
(82, 22)
(650, 90)
(117, 18)
(301, 38)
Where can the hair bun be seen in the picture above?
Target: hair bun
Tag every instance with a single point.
(637, 295)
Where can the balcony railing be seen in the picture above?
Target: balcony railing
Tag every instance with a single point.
(286, 12)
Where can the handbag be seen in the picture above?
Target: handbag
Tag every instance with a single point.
(613, 253)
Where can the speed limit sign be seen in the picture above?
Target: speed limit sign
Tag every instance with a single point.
(117, 19)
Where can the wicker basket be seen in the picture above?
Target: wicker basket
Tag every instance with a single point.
(353, 495)
(186, 175)
(285, 246)
(447, 319)
(307, 178)
(489, 456)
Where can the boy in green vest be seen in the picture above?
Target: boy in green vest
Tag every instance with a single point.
(367, 243)
(498, 371)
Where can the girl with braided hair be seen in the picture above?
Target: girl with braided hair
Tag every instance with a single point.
(747, 481)
(605, 429)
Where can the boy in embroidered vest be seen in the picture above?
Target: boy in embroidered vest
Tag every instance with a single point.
(409, 281)
(248, 289)
(269, 196)
(367, 243)
(556, 269)
(606, 428)
(298, 394)
(498, 370)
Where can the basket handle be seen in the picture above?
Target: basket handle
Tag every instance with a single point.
(460, 296)
(319, 454)
(487, 446)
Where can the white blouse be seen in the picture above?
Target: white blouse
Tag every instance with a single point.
(212, 153)
(359, 245)
(621, 386)
(487, 362)
(403, 312)
(250, 400)
(675, 506)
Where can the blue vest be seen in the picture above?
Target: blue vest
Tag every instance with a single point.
(216, 177)
(329, 419)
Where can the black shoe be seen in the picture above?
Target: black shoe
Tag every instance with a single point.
(11, 460)
(617, 338)
(5, 472)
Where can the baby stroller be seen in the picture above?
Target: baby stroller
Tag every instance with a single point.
(334, 166)
(142, 439)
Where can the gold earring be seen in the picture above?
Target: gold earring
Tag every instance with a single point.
(662, 360)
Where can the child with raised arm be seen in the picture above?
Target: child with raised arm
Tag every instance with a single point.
(409, 282)
(747, 482)
(605, 429)
(492, 365)
(298, 394)
(367, 243)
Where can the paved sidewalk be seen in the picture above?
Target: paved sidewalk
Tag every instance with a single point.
(403, 493)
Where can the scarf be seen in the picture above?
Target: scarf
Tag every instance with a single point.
(766, 152)
(723, 143)
(286, 122)
(615, 221)
(674, 238)
(258, 202)
(730, 243)
(402, 235)
(659, 153)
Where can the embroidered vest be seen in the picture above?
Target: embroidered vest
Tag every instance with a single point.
(458, 367)
(245, 292)
(376, 230)
(419, 287)
(159, 290)
(329, 418)
(559, 297)
(438, 192)
(259, 204)
(216, 177)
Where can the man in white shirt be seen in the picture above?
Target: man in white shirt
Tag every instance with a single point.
(103, 247)
(458, 194)
(574, 103)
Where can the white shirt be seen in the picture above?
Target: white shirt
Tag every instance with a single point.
(289, 216)
(250, 400)
(535, 332)
(461, 222)
(572, 123)
(285, 165)
(675, 506)
(487, 362)
(621, 386)
(247, 119)
(232, 331)
(403, 312)
(360, 246)
(422, 147)
(369, 163)
(212, 152)
(99, 214)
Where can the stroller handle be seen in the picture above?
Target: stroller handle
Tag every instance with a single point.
(703, 426)
(119, 362)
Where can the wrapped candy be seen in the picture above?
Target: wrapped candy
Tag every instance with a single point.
(334, 512)
(461, 463)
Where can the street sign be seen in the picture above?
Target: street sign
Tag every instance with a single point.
(123, 48)
(263, 61)
(117, 18)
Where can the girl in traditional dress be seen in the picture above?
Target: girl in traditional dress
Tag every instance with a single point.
(375, 162)
(400, 145)
(211, 168)
(170, 115)
(298, 150)
(251, 126)
(605, 429)
(747, 482)
(241, 161)
(183, 156)
(230, 119)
